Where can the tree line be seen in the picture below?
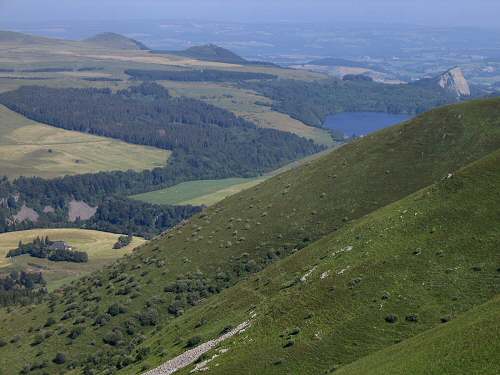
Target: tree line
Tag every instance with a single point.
(203, 75)
(43, 248)
(21, 288)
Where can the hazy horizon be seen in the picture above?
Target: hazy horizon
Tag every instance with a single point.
(444, 13)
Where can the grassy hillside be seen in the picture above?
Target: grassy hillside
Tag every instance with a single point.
(467, 345)
(32, 149)
(98, 246)
(427, 258)
(251, 230)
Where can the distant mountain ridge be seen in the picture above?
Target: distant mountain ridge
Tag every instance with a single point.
(16, 37)
(212, 52)
(116, 41)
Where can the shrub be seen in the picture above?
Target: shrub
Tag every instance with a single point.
(59, 359)
(50, 322)
(391, 318)
(15, 339)
(102, 320)
(37, 340)
(289, 343)
(130, 327)
(116, 309)
(2, 343)
(142, 353)
(113, 338)
(413, 318)
(309, 315)
(201, 323)
(149, 317)
(226, 329)
(75, 332)
(355, 282)
(445, 319)
(193, 341)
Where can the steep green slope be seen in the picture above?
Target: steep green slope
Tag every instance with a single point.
(240, 236)
(467, 345)
(395, 273)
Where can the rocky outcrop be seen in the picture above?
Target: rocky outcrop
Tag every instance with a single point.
(454, 81)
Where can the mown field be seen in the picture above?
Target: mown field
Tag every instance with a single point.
(29, 148)
(98, 246)
(198, 193)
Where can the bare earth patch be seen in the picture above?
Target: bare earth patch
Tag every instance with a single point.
(80, 209)
(26, 213)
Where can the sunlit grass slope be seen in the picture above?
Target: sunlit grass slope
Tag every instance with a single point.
(400, 271)
(29, 148)
(252, 230)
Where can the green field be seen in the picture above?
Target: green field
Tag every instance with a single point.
(98, 246)
(29, 148)
(197, 193)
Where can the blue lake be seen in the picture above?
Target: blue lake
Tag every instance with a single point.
(362, 123)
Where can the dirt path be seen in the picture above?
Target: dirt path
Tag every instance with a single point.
(188, 357)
